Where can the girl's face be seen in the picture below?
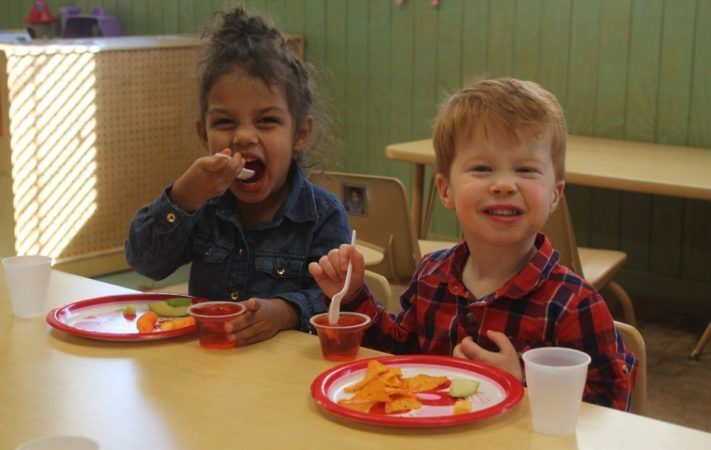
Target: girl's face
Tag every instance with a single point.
(502, 190)
(249, 117)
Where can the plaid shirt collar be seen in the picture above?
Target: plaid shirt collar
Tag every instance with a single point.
(449, 270)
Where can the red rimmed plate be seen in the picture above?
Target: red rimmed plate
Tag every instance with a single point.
(102, 318)
(498, 391)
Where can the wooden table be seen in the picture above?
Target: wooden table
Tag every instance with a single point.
(174, 395)
(604, 163)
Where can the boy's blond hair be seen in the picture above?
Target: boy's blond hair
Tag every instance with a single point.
(514, 107)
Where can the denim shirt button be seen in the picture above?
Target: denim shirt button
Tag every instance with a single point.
(170, 217)
(208, 252)
(234, 295)
(280, 270)
(241, 251)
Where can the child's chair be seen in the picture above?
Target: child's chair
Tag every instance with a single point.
(385, 222)
(634, 343)
(598, 266)
(382, 293)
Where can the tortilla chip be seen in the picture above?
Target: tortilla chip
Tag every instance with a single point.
(402, 403)
(386, 385)
(357, 406)
(423, 383)
(375, 368)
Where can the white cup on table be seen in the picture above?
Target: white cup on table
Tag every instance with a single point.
(555, 378)
(27, 279)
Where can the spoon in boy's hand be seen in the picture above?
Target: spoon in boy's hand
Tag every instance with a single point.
(243, 174)
(335, 309)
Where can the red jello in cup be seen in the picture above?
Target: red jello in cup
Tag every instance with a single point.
(340, 341)
(211, 318)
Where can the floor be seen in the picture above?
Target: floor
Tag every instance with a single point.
(679, 389)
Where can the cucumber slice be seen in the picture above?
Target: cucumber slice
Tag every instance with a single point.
(164, 309)
(463, 387)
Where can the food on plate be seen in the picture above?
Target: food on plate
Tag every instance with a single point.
(172, 307)
(385, 387)
(146, 322)
(175, 324)
(462, 406)
(463, 387)
(129, 312)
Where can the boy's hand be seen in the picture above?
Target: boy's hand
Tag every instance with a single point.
(262, 320)
(208, 177)
(330, 271)
(505, 359)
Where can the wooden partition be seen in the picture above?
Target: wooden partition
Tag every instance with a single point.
(92, 130)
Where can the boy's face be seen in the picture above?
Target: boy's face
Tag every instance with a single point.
(502, 190)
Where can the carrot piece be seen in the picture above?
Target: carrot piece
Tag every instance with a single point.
(146, 322)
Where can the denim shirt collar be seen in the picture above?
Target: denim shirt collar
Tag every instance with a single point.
(299, 205)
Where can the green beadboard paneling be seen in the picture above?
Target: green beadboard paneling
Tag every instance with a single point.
(675, 72)
(401, 83)
(555, 43)
(356, 133)
(582, 76)
(378, 117)
(336, 62)
(528, 38)
(314, 31)
(612, 68)
(475, 32)
(501, 37)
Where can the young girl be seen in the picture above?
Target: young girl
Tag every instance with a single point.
(244, 214)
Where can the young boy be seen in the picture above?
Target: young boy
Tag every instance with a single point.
(500, 152)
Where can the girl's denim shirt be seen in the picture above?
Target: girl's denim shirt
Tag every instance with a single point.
(230, 262)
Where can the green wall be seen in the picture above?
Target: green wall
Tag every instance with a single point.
(621, 68)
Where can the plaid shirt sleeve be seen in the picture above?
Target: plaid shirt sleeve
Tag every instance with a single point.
(588, 326)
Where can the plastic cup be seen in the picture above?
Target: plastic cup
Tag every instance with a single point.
(555, 377)
(211, 318)
(340, 341)
(27, 280)
(60, 443)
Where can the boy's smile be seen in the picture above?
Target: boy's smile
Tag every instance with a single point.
(502, 188)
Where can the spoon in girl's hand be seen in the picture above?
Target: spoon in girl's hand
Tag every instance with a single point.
(335, 309)
(243, 174)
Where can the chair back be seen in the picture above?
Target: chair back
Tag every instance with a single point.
(634, 343)
(382, 218)
(559, 230)
(380, 288)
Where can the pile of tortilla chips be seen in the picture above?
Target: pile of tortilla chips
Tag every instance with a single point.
(386, 385)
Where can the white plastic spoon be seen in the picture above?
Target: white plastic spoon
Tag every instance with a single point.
(335, 309)
(243, 174)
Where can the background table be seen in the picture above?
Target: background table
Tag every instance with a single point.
(173, 395)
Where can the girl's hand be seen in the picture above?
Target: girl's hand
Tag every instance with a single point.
(330, 271)
(505, 359)
(208, 177)
(263, 319)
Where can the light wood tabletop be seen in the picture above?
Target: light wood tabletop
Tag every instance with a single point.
(605, 163)
(172, 394)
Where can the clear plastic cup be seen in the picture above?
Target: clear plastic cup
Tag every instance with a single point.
(340, 341)
(555, 378)
(60, 443)
(27, 279)
(211, 318)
